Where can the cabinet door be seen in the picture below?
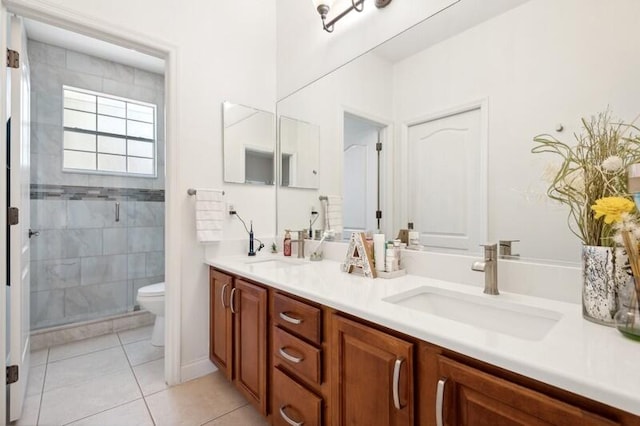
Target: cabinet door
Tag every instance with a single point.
(373, 377)
(473, 397)
(220, 322)
(250, 322)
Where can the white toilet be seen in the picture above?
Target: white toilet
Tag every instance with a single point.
(151, 298)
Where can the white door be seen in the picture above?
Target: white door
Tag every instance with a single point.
(19, 343)
(445, 186)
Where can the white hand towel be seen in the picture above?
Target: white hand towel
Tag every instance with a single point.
(209, 215)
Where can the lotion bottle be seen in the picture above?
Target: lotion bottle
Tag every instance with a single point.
(287, 244)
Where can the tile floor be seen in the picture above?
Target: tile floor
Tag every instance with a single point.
(118, 380)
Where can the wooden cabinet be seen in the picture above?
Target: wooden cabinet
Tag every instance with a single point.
(293, 403)
(466, 396)
(238, 335)
(373, 376)
(220, 322)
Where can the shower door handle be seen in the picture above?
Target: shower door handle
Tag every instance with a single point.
(117, 212)
(33, 233)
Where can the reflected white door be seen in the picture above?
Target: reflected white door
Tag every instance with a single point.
(19, 342)
(444, 182)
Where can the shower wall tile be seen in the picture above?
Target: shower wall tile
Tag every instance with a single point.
(100, 299)
(48, 109)
(148, 79)
(145, 213)
(45, 79)
(46, 139)
(95, 214)
(102, 269)
(120, 181)
(47, 245)
(137, 265)
(48, 169)
(81, 81)
(146, 239)
(129, 90)
(45, 54)
(48, 214)
(81, 242)
(47, 306)
(114, 241)
(155, 263)
(54, 274)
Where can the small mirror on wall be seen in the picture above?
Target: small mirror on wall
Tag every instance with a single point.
(248, 144)
(300, 153)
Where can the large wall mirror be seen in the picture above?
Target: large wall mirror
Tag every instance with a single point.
(248, 147)
(456, 102)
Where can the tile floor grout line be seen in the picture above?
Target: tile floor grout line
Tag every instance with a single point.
(227, 413)
(144, 399)
(86, 353)
(46, 367)
(100, 412)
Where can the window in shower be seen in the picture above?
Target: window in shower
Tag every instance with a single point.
(108, 134)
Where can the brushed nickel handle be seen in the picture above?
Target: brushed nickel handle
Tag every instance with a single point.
(396, 383)
(288, 357)
(440, 401)
(117, 212)
(232, 300)
(292, 320)
(222, 293)
(287, 418)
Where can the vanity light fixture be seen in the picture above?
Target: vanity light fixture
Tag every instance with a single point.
(323, 7)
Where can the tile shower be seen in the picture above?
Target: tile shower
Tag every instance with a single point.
(85, 264)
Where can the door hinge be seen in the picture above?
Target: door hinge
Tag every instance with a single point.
(12, 374)
(378, 146)
(13, 216)
(13, 59)
(378, 214)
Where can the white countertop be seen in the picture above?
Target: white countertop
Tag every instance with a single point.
(576, 355)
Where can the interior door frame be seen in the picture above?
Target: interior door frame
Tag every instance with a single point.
(386, 161)
(93, 27)
(401, 175)
(3, 215)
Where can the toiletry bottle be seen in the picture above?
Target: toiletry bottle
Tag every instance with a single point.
(414, 237)
(287, 244)
(251, 251)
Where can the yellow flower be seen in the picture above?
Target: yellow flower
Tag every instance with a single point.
(612, 208)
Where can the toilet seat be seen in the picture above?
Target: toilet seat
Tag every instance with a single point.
(152, 290)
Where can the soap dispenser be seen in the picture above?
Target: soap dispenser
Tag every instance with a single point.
(287, 243)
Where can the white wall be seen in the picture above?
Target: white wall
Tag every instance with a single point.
(307, 52)
(226, 50)
(364, 88)
(543, 63)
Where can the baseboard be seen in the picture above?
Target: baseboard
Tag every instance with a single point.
(195, 369)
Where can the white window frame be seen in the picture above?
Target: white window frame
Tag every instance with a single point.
(124, 137)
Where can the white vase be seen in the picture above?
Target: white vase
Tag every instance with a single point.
(604, 272)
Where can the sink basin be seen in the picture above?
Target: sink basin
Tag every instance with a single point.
(482, 311)
(275, 263)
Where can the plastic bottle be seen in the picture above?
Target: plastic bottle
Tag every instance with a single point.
(287, 244)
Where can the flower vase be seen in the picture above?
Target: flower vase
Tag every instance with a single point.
(628, 316)
(604, 272)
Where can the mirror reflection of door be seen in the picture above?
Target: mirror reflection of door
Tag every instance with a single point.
(444, 185)
(361, 174)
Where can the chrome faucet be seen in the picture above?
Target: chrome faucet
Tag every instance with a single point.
(300, 242)
(490, 268)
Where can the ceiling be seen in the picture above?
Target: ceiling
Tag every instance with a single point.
(69, 40)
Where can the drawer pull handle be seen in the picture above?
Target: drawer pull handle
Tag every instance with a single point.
(222, 293)
(288, 357)
(232, 300)
(292, 320)
(396, 383)
(287, 418)
(440, 401)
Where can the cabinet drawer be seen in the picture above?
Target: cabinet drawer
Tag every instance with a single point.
(293, 404)
(296, 355)
(298, 317)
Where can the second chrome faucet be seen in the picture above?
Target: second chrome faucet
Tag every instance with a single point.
(490, 268)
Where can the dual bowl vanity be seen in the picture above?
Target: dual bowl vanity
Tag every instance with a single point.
(309, 344)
